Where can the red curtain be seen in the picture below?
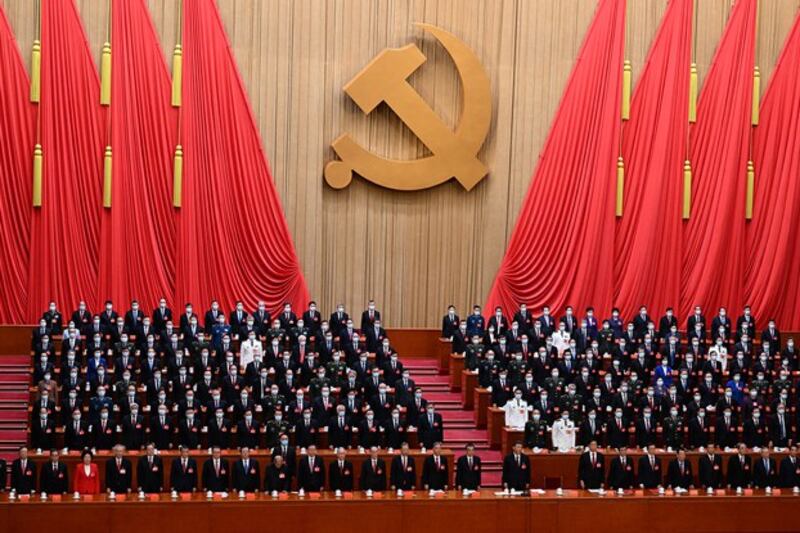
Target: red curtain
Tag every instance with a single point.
(561, 248)
(647, 262)
(65, 231)
(772, 280)
(16, 155)
(714, 236)
(137, 258)
(233, 240)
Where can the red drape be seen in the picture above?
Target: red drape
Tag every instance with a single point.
(233, 240)
(561, 250)
(65, 231)
(772, 274)
(647, 262)
(137, 257)
(714, 236)
(16, 155)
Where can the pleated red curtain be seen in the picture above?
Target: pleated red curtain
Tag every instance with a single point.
(772, 276)
(647, 256)
(16, 155)
(714, 237)
(137, 258)
(65, 231)
(233, 240)
(561, 250)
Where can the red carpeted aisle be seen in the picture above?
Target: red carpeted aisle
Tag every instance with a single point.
(14, 379)
(459, 424)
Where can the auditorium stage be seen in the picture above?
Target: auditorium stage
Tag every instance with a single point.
(573, 512)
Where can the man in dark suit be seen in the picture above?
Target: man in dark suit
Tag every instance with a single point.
(516, 470)
(790, 469)
(739, 469)
(288, 453)
(311, 471)
(650, 469)
(150, 471)
(370, 316)
(404, 471)
(430, 427)
(183, 473)
(276, 476)
(450, 322)
(679, 472)
(3, 475)
(468, 470)
(591, 468)
(246, 473)
(23, 473)
(435, 472)
(373, 472)
(340, 472)
(119, 472)
(620, 473)
(54, 478)
(216, 473)
(765, 471)
(710, 468)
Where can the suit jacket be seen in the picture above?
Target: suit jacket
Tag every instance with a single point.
(619, 476)
(517, 476)
(54, 481)
(86, 484)
(311, 478)
(249, 480)
(468, 477)
(676, 478)
(649, 475)
(591, 474)
(435, 478)
(429, 434)
(789, 473)
(341, 478)
(23, 481)
(373, 478)
(213, 480)
(710, 473)
(739, 473)
(403, 478)
(181, 480)
(277, 479)
(119, 479)
(765, 475)
(150, 478)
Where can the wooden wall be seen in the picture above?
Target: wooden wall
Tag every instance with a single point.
(413, 252)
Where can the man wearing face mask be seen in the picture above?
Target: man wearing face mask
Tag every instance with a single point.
(274, 428)
(82, 318)
(476, 324)
(305, 430)
(76, 432)
(189, 429)
(374, 336)
(219, 429)
(430, 427)
(782, 428)
(516, 411)
(754, 432)
(450, 322)
(726, 430)
(536, 432)
(313, 320)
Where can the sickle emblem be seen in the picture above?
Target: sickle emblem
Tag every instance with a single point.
(453, 152)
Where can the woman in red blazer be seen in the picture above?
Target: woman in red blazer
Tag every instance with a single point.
(87, 480)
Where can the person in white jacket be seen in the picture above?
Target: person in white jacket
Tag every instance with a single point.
(516, 411)
(249, 349)
(563, 433)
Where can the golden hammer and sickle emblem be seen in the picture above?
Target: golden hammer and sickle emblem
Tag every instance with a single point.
(454, 152)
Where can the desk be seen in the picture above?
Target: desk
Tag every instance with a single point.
(469, 381)
(456, 367)
(483, 398)
(262, 456)
(495, 423)
(578, 511)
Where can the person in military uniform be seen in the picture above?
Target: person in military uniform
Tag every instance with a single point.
(488, 369)
(274, 428)
(319, 381)
(336, 370)
(536, 431)
(273, 402)
(673, 430)
(573, 402)
(517, 369)
(474, 353)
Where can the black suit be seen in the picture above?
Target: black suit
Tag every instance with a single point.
(621, 476)
(248, 480)
(433, 477)
(213, 479)
(118, 479)
(764, 475)
(789, 473)
(54, 481)
(277, 479)
(468, 477)
(311, 478)
(677, 478)
(517, 474)
(430, 433)
(150, 477)
(649, 474)
(341, 478)
(183, 480)
(739, 473)
(710, 473)
(403, 478)
(23, 481)
(591, 474)
(373, 477)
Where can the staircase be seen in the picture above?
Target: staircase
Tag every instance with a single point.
(14, 382)
(459, 424)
